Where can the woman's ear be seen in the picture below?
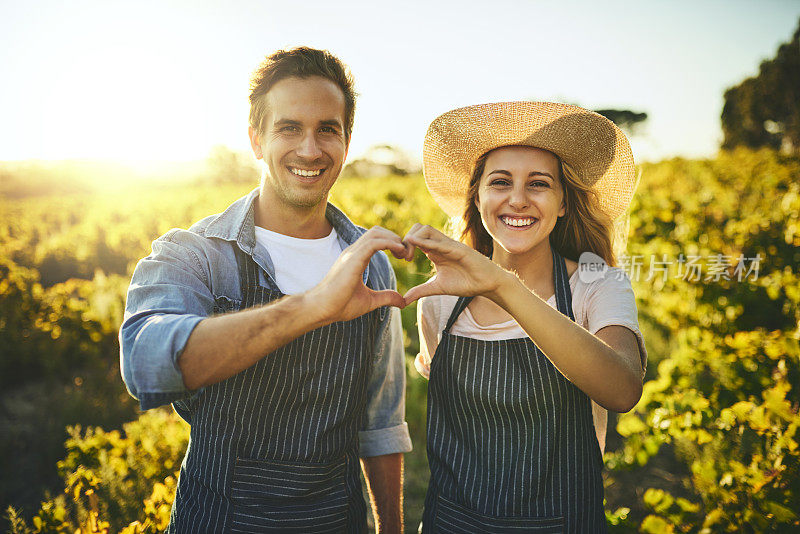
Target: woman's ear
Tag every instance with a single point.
(563, 210)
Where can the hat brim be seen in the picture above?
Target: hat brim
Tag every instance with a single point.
(590, 144)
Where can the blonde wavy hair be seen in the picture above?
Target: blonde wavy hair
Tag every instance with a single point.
(583, 228)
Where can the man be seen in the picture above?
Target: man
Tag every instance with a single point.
(280, 349)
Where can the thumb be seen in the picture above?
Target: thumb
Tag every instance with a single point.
(422, 290)
(387, 297)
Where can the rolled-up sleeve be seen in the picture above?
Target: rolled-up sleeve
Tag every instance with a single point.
(385, 430)
(167, 298)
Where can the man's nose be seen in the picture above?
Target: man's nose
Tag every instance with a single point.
(308, 147)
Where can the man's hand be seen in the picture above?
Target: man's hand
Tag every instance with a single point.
(342, 295)
(384, 476)
(221, 346)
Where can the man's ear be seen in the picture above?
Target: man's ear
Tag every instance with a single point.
(255, 142)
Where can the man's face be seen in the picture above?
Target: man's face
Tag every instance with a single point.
(303, 142)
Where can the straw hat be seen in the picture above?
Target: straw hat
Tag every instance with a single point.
(591, 145)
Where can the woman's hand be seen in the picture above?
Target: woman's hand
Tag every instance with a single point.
(460, 270)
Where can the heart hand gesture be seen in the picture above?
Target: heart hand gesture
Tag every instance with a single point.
(460, 270)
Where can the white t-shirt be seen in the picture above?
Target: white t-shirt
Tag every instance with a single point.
(300, 264)
(597, 304)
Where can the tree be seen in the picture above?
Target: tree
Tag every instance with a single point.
(381, 160)
(627, 120)
(764, 111)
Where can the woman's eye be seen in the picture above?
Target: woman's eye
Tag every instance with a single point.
(538, 184)
(499, 181)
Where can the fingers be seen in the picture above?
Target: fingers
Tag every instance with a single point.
(410, 248)
(375, 239)
(427, 238)
(399, 248)
(407, 254)
(387, 297)
(423, 290)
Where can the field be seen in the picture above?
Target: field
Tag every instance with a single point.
(713, 253)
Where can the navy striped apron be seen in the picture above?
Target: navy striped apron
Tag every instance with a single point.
(511, 442)
(274, 448)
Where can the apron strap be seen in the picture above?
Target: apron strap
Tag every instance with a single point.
(249, 277)
(561, 283)
(461, 305)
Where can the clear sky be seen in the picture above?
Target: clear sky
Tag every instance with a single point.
(167, 80)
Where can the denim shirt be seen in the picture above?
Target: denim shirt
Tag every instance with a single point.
(190, 273)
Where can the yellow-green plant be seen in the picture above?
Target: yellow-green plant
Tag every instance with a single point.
(118, 480)
(725, 394)
(719, 409)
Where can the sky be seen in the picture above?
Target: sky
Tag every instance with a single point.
(168, 80)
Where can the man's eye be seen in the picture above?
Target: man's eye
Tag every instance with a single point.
(288, 129)
(328, 129)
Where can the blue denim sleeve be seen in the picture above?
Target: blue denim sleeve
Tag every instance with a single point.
(385, 430)
(167, 298)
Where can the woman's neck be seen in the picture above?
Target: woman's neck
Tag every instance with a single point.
(534, 268)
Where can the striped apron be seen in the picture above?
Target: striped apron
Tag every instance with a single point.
(274, 448)
(511, 442)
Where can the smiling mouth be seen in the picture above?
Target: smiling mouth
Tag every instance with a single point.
(305, 173)
(518, 222)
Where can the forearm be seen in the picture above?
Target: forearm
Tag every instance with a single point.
(222, 346)
(585, 360)
(384, 476)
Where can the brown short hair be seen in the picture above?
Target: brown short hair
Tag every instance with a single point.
(584, 227)
(300, 62)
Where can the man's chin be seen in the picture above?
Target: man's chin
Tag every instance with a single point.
(304, 202)
(295, 197)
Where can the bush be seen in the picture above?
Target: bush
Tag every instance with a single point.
(724, 397)
(711, 447)
(122, 481)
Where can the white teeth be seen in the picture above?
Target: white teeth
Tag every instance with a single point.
(517, 222)
(303, 172)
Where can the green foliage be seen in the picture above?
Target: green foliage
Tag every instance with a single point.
(74, 323)
(65, 264)
(58, 365)
(764, 111)
(725, 396)
(711, 447)
(118, 481)
(129, 463)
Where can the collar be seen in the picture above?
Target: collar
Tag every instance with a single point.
(237, 223)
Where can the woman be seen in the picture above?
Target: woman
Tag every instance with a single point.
(512, 444)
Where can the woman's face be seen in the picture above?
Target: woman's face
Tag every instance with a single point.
(520, 197)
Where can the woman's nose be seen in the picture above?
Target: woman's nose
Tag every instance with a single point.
(519, 199)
